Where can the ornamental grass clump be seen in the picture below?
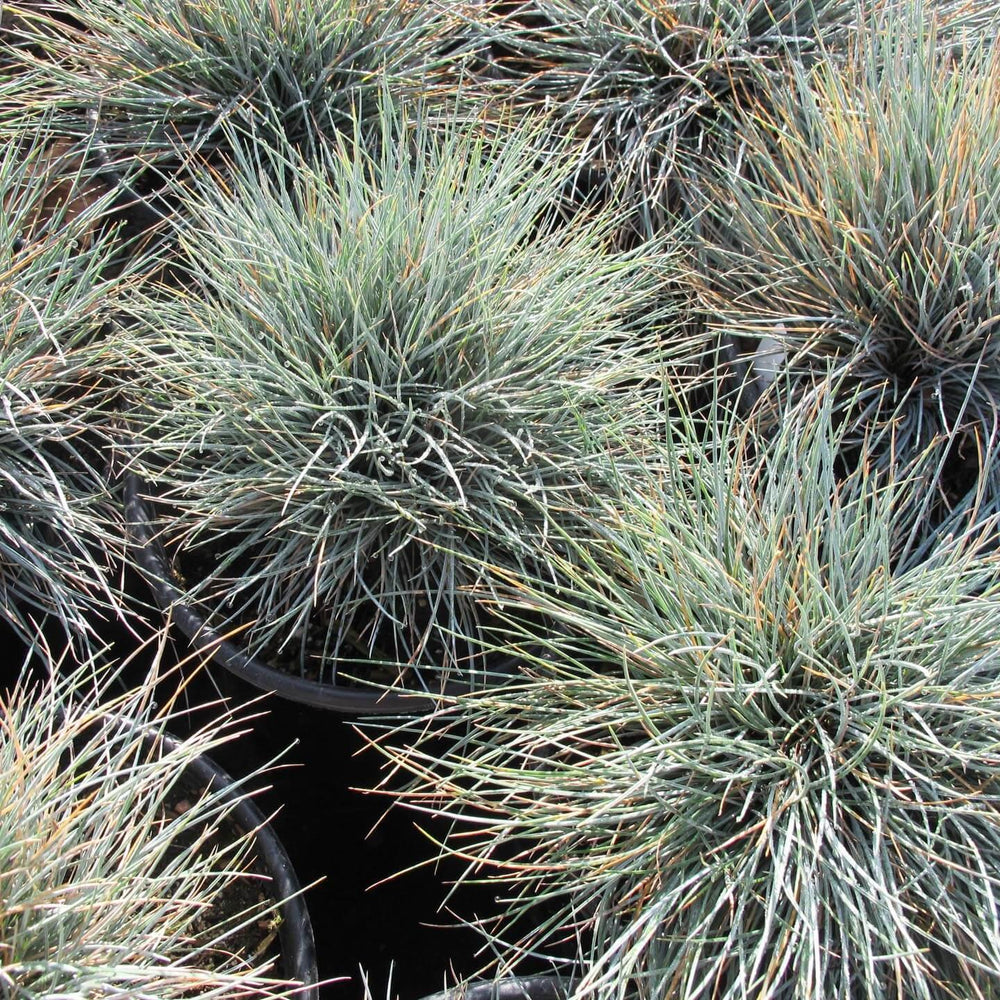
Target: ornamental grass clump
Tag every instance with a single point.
(116, 875)
(643, 85)
(59, 537)
(396, 360)
(857, 238)
(751, 757)
(165, 75)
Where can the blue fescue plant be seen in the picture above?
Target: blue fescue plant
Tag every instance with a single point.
(855, 235)
(394, 359)
(643, 85)
(755, 754)
(59, 537)
(113, 866)
(165, 75)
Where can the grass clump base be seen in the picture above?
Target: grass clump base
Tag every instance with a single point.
(853, 238)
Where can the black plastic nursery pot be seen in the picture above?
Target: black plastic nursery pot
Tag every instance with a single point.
(152, 561)
(297, 947)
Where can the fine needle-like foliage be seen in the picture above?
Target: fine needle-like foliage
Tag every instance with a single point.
(642, 84)
(856, 236)
(749, 759)
(58, 534)
(116, 873)
(165, 75)
(390, 362)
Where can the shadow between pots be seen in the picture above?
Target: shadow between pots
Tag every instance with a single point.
(363, 917)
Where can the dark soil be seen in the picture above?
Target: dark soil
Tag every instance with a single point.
(258, 941)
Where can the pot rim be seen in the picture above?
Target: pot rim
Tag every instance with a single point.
(295, 932)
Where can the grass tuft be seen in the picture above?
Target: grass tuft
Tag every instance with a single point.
(391, 361)
(855, 237)
(644, 85)
(750, 758)
(59, 281)
(165, 76)
(113, 870)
